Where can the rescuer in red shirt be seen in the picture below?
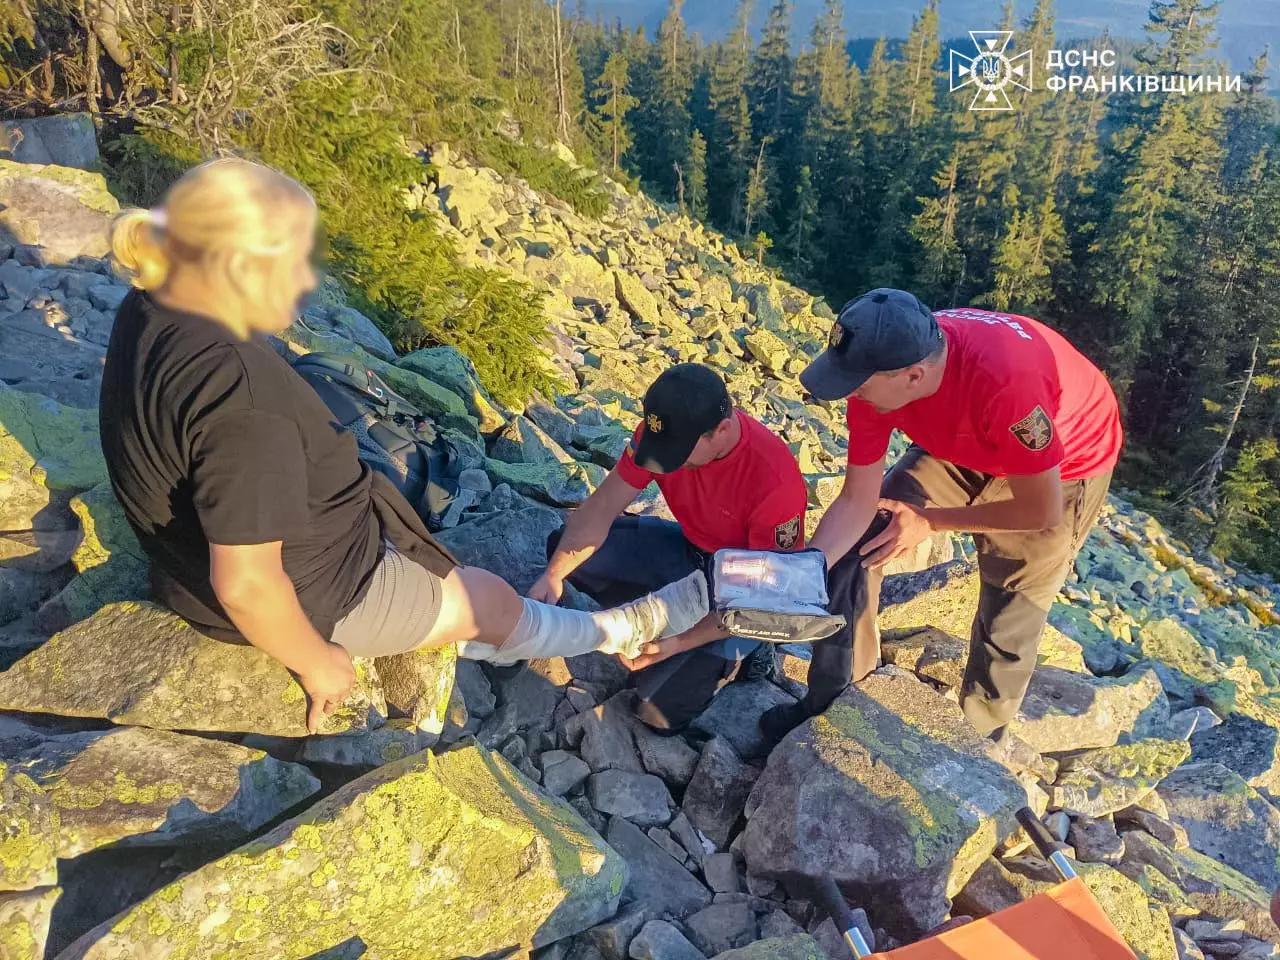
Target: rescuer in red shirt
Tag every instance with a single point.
(729, 482)
(1014, 438)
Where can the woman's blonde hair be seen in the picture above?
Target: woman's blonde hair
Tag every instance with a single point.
(220, 208)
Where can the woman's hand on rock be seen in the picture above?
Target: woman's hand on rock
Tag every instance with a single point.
(328, 682)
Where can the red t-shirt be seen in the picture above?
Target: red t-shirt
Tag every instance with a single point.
(1016, 399)
(753, 498)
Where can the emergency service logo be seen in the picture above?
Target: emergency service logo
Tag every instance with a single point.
(990, 70)
(1035, 430)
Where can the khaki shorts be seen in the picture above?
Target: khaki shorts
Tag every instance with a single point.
(398, 611)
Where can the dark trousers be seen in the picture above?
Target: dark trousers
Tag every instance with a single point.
(640, 555)
(1021, 573)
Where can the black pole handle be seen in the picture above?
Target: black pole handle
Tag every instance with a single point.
(831, 901)
(1045, 842)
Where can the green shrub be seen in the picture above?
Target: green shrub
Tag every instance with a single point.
(546, 172)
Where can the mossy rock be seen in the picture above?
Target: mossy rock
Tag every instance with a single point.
(44, 447)
(28, 842)
(1064, 710)
(891, 789)
(132, 786)
(635, 297)
(1103, 781)
(137, 663)
(418, 686)
(448, 367)
(24, 923)
(110, 563)
(558, 484)
(429, 858)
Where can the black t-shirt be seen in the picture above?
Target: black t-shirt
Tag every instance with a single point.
(210, 439)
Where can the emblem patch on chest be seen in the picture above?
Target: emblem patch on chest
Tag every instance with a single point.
(786, 534)
(1035, 430)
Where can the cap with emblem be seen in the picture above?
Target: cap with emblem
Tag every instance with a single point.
(679, 407)
(884, 329)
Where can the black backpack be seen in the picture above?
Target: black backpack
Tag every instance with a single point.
(394, 437)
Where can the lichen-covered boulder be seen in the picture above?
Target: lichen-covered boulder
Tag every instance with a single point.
(24, 923)
(890, 790)
(1226, 818)
(45, 448)
(1144, 925)
(633, 296)
(28, 832)
(523, 441)
(65, 210)
(136, 663)
(350, 324)
(430, 858)
(558, 484)
(1186, 666)
(133, 786)
(417, 686)
(450, 368)
(110, 563)
(1207, 885)
(1103, 781)
(1064, 710)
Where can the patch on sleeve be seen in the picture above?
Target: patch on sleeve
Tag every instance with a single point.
(786, 534)
(1035, 430)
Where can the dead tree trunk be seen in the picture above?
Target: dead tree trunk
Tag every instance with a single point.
(1203, 492)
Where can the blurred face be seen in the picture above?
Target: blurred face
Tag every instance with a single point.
(893, 389)
(273, 290)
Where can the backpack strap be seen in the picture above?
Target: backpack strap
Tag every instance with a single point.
(341, 370)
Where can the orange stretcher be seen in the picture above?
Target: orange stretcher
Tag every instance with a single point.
(1063, 923)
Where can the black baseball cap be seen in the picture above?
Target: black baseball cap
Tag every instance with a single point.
(884, 329)
(679, 407)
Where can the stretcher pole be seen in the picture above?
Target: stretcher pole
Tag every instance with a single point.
(829, 898)
(1050, 848)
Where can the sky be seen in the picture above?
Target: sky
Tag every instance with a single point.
(1244, 26)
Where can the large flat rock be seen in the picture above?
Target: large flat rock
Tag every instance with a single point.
(429, 858)
(1065, 710)
(890, 792)
(133, 786)
(65, 210)
(138, 664)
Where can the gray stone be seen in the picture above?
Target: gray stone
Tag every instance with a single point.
(778, 923)
(668, 843)
(1064, 710)
(721, 927)
(512, 544)
(66, 140)
(476, 692)
(603, 735)
(1244, 744)
(350, 324)
(721, 872)
(1226, 818)
(553, 421)
(639, 797)
(1186, 724)
(657, 882)
(364, 750)
(1096, 841)
(522, 441)
(1167, 832)
(451, 369)
(670, 758)
(614, 936)
(66, 211)
(718, 791)
(563, 775)
(659, 940)
(890, 789)
(29, 841)
(735, 713)
(558, 484)
(692, 841)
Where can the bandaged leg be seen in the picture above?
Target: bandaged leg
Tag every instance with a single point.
(546, 631)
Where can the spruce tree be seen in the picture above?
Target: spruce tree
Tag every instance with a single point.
(696, 179)
(731, 157)
(613, 102)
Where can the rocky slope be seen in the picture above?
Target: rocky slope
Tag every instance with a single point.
(162, 800)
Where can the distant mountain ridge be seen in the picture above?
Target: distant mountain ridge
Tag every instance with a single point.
(1244, 26)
